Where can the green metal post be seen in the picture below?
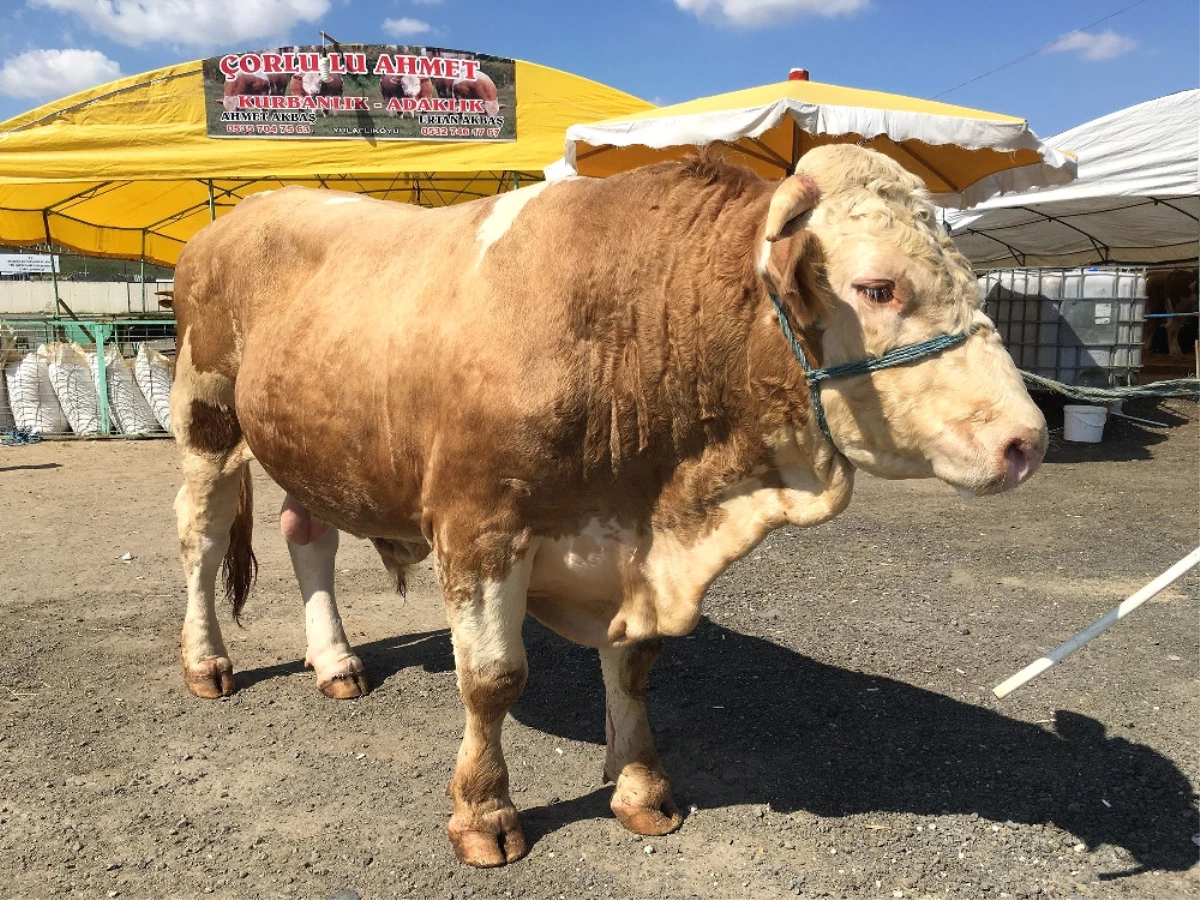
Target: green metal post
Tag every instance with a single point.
(100, 332)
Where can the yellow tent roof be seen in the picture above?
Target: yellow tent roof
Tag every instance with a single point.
(126, 169)
(964, 155)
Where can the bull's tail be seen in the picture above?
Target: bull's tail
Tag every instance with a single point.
(240, 566)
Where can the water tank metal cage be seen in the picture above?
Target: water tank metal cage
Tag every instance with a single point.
(1080, 327)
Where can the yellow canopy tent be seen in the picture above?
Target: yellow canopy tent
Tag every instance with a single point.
(126, 169)
(964, 155)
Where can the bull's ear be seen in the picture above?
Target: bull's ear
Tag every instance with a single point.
(795, 196)
(789, 253)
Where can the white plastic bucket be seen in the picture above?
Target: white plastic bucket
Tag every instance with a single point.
(1084, 424)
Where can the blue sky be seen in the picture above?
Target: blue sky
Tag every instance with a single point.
(666, 51)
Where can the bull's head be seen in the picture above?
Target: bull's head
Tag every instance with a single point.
(411, 85)
(852, 249)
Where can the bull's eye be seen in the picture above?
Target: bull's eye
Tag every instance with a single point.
(877, 291)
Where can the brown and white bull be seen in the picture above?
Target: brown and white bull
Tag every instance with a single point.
(313, 85)
(1173, 292)
(396, 88)
(244, 84)
(481, 88)
(580, 400)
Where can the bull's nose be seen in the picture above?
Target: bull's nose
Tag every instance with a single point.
(1022, 457)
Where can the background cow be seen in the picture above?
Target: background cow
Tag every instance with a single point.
(579, 397)
(482, 88)
(399, 87)
(244, 84)
(311, 84)
(1172, 291)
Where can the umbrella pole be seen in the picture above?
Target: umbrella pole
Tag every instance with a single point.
(795, 146)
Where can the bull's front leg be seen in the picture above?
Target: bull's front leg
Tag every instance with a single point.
(642, 799)
(486, 614)
(313, 545)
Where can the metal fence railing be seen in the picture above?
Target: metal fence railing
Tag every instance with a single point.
(101, 377)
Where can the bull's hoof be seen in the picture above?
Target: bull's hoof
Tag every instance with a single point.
(344, 687)
(210, 678)
(339, 678)
(642, 801)
(654, 821)
(489, 840)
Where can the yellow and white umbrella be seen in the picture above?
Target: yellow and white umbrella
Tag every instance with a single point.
(963, 155)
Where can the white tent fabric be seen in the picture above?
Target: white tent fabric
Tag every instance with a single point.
(1136, 200)
(964, 155)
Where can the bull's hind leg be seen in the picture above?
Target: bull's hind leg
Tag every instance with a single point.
(485, 619)
(642, 799)
(339, 671)
(215, 517)
(214, 500)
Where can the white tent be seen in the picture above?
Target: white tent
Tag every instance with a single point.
(1136, 200)
(963, 155)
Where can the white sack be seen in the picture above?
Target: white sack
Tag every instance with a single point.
(31, 395)
(7, 351)
(74, 387)
(153, 373)
(127, 408)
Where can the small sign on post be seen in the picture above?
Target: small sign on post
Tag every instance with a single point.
(28, 264)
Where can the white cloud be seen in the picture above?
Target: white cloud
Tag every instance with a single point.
(426, 2)
(760, 13)
(197, 23)
(402, 28)
(1094, 47)
(55, 73)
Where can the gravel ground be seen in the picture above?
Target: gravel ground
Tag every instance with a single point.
(829, 726)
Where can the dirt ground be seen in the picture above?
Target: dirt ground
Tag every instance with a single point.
(829, 727)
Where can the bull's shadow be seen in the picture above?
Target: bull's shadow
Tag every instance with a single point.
(739, 719)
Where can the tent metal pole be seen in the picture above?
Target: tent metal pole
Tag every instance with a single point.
(212, 203)
(142, 276)
(54, 281)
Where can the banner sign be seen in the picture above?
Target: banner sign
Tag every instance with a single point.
(356, 91)
(27, 264)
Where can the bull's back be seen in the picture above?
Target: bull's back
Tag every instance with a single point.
(345, 327)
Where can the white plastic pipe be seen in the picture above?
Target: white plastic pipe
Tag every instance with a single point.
(1065, 649)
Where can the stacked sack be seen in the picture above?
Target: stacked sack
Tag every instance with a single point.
(128, 411)
(55, 389)
(31, 396)
(153, 373)
(8, 343)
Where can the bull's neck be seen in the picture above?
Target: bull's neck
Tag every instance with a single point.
(749, 387)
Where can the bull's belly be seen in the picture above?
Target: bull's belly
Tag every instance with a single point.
(589, 587)
(336, 469)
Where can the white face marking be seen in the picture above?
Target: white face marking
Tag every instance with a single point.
(411, 85)
(503, 214)
(312, 83)
(336, 200)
